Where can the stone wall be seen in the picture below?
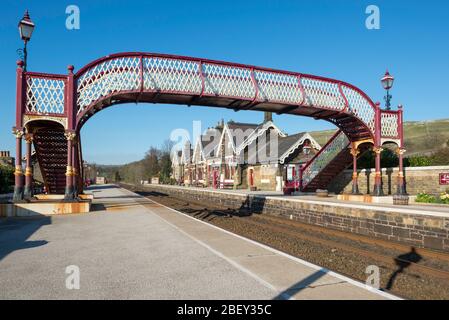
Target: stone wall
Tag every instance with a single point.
(403, 225)
(264, 177)
(418, 179)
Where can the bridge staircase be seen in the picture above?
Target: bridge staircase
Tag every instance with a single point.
(331, 160)
(51, 150)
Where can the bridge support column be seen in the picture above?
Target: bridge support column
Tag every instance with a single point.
(378, 191)
(69, 188)
(355, 184)
(18, 173)
(75, 168)
(401, 182)
(28, 193)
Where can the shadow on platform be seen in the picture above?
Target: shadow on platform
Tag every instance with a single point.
(14, 233)
(101, 186)
(301, 285)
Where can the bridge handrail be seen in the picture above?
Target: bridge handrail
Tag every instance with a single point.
(224, 79)
(337, 143)
(45, 94)
(390, 124)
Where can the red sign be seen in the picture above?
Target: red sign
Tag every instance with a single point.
(444, 178)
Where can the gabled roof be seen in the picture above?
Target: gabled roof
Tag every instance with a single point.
(228, 128)
(176, 157)
(210, 141)
(287, 145)
(187, 152)
(249, 132)
(206, 144)
(258, 131)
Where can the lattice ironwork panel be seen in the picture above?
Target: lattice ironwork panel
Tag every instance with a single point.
(321, 93)
(278, 87)
(228, 81)
(173, 75)
(359, 106)
(326, 155)
(44, 95)
(389, 124)
(105, 78)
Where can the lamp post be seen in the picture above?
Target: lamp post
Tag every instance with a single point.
(387, 83)
(26, 27)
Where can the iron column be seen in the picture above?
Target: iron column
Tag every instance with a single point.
(28, 193)
(400, 152)
(69, 190)
(18, 173)
(355, 185)
(378, 192)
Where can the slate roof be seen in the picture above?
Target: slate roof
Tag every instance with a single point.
(284, 145)
(243, 127)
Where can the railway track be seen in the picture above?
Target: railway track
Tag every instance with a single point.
(413, 267)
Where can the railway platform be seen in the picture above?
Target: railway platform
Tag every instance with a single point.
(132, 247)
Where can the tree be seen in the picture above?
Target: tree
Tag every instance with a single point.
(151, 163)
(165, 161)
(6, 178)
(156, 162)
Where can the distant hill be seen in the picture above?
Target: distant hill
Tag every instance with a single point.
(420, 137)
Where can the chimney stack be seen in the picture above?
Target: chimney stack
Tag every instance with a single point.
(267, 116)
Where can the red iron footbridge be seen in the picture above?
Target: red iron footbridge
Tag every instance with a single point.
(51, 109)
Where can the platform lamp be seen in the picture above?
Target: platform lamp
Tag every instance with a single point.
(387, 83)
(26, 27)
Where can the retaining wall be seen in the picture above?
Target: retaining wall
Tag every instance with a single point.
(402, 225)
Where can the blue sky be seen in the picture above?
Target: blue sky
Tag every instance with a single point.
(327, 38)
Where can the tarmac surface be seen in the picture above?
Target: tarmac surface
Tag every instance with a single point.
(133, 248)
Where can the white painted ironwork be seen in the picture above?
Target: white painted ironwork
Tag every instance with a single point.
(323, 94)
(44, 95)
(324, 157)
(359, 106)
(273, 86)
(389, 123)
(171, 75)
(228, 81)
(179, 75)
(107, 77)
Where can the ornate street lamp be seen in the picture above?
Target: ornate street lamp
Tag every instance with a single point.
(26, 27)
(387, 83)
